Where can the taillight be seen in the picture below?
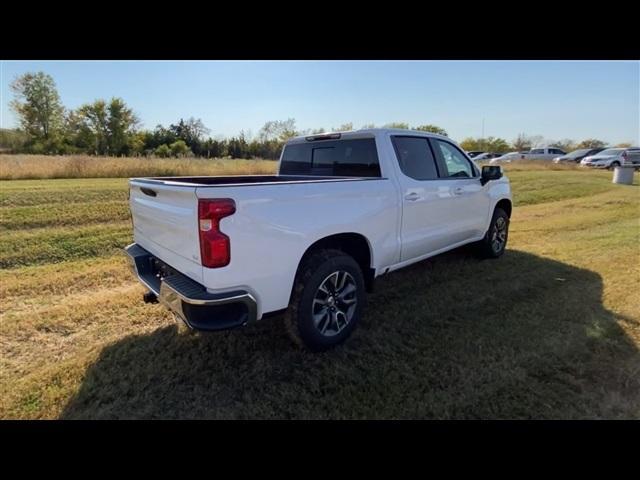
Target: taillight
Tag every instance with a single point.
(215, 246)
(624, 157)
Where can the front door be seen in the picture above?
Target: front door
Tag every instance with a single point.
(469, 204)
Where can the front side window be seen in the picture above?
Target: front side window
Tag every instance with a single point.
(455, 162)
(537, 151)
(415, 157)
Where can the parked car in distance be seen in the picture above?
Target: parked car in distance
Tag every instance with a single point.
(613, 157)
(545, 153)
(486, 156)
(475, 153)
(508, 157)
(577, 155)
(308, 243)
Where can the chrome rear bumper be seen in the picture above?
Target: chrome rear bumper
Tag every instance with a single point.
(190, 301)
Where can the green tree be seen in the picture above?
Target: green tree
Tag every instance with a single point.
(104, 128)
(137, 142)
(345, 127)
(179, 148)
(624, 145)
(121, 124)
(92, 122)
(432, 129)
(592, 143)
(12, 140)
(565, 144)
(163, 151)
(281, 130)
(38, 106)
(469, 144)
(402, 125)
(368, 125)
(192, 131)
(522, 143)
(489, 144)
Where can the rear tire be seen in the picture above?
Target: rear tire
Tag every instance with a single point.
(327, 302)
(494, 242)
(614, 165)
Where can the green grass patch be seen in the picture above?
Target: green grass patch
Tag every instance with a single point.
(24, 193)
(532, 187)
(41, 246)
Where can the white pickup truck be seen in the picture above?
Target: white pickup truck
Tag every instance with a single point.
(344, 208)
(545, 153)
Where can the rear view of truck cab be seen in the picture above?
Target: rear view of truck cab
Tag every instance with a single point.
(344, 208)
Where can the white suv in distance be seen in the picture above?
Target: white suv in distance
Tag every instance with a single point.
(613, 157)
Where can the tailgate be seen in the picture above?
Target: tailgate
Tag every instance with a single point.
(165, 222)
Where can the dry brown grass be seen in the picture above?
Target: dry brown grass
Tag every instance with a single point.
(15, 167)
(23, 167)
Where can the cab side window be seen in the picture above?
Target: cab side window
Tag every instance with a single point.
(455, 163)
(415, 157)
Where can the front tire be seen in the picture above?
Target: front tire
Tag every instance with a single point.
(327, 301)
(494, 242)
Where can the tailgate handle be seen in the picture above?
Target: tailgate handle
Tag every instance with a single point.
(148, 191)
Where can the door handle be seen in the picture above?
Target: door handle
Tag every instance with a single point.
(458, 191)
(412, 197)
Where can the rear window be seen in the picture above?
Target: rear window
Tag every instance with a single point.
(341, 158)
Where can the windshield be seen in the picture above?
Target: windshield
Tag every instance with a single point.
(577, 153)
(610, 151)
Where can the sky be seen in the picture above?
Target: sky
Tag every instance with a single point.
(554, 99)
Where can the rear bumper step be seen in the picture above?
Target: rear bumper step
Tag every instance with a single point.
(190, 301)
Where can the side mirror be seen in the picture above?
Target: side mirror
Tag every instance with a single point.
(490, 172)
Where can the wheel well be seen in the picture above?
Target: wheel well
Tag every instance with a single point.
(505, 205)
(353, 244)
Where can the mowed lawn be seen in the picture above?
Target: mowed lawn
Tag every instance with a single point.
(551, 330)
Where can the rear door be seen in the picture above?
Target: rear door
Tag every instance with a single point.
(165, 222)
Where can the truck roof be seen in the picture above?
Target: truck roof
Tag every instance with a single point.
(367, 132)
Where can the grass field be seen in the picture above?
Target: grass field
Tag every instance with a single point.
(551, 330)
(23, 167)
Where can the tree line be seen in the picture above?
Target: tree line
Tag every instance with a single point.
(523, 143)
(110, 127)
